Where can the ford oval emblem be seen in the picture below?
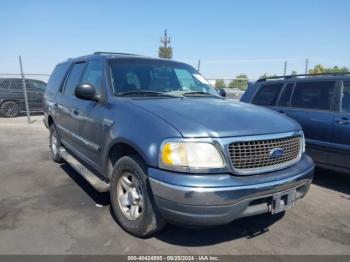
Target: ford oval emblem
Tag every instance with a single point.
(276, 153)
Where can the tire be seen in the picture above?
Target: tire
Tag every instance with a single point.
(54, 145)
(9, 109)
(142, 219)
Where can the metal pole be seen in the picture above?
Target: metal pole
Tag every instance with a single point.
(285, 68)
(199, 65)
(24, 90)
(306, 65)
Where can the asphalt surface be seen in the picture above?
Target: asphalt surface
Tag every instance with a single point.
(46, 208)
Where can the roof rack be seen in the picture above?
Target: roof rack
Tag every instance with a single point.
(305, 75)
(110, 53)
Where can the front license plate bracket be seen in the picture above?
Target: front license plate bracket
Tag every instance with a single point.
(283, 201)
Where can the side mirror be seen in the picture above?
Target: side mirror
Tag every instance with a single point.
(86, 92)
(222, 92)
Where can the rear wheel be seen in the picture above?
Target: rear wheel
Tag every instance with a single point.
(54, 144)
(132, 199)
(9, 109)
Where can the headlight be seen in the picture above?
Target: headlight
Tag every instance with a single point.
(195, 155)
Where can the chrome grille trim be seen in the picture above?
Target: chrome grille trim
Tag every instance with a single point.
(251, 155)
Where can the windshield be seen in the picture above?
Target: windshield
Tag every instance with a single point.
(147, 77)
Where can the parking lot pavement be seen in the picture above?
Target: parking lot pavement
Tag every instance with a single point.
(46, 208)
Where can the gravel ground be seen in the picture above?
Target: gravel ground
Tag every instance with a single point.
(46, 208)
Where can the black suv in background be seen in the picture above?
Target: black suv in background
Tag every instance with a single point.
(321, 105)
(12, 96)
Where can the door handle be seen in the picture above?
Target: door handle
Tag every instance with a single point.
(75, 112)
(342, 121)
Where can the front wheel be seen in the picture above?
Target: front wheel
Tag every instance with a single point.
(131, 198)
(9, 109)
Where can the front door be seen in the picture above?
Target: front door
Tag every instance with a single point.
(65, 108)
(89, 118)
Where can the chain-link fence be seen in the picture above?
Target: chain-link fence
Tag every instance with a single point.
(21, 94)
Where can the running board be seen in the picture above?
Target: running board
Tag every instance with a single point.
(96, 182)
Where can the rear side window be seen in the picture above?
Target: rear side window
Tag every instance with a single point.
(345, 102)
(73, 79)
(57, 77)
(5, 83)
(267, 94)
(40, 86)
(286, 95)
(313, 95)
(17, 84)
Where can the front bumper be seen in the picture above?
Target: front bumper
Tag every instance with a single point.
(221, 198)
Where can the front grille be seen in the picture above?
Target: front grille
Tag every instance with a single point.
(255, 156)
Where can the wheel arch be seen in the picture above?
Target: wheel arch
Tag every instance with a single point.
(121, 148)
(50, 121)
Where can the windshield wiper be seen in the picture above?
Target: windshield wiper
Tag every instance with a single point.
(144, 92)
(199, 93)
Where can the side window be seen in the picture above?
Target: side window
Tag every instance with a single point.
(345, 102)
(17, 84)
(313, 95)
(40, 86)
(73, 79)
(29, 85)
(57, 77)
(93, 74)
(286, 95)
(267, 94)
(5, 83)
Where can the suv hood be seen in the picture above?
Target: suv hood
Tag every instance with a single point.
(212, 117)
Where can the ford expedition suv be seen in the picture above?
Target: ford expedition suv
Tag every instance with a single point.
(167, 147)
(321, 105)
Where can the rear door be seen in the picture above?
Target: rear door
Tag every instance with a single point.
(16, 92)
(340, 151)
(311, 105)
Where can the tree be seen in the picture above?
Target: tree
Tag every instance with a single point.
(294, 73)
(240, 82)
(165, 52)
(219, 83)
(320, 69)
(265, 75)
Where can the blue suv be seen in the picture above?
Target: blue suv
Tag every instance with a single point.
(167, 147)
(320, 104)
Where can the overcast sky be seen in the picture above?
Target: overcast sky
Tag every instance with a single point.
(229, 37)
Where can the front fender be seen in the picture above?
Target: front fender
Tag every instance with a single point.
(139, 129)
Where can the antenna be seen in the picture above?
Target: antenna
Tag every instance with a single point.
(165, 40)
